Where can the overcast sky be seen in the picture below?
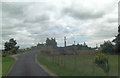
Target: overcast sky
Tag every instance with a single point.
(90, 21)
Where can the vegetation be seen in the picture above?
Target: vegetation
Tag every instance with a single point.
(108, 47)
(7, 63)
(0, 65)
(51, 42)
(10, 47)
(85, 66)
(102, 61)
(117, 42)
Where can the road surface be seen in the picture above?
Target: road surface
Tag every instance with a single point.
(27, 66)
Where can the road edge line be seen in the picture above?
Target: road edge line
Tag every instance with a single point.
(44, 68)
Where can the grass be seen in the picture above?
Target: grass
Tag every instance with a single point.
(7, 63)
(84, 65)
(0, 66)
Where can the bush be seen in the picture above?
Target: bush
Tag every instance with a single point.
(102, 61)
(4, 55)
(14, 50)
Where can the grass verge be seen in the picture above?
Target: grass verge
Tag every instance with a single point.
(84, 65)
(7, 63)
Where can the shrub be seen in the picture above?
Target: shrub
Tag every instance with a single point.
(14, 50)
(4, 55)
(102, 61)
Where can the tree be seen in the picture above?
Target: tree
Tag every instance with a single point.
(47, 41)
(117, 41)
(51, 42)
(7, 44)
(108, 47)
(11, 46)
(14, 50)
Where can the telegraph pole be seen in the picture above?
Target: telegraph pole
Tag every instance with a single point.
(75, 57)
(64, 51)
(74, 42)
(65, 41)
(96, 46)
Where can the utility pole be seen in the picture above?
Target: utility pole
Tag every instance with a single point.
(64, 51)
(74, 42)
(65, 41)
(75, 57)
(96, 46)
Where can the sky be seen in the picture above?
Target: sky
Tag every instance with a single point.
(30, 22)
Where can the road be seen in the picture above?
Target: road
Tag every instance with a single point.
(27, 66)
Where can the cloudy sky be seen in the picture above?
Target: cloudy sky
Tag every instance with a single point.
(90, 21)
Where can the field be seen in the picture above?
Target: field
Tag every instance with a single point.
(7, 63)
(84, 65)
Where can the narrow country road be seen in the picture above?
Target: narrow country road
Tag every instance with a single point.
(26, 66)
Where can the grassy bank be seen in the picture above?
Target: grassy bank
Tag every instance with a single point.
(84, 65)
(7, 63)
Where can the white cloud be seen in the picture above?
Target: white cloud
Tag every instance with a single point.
(29, 23)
